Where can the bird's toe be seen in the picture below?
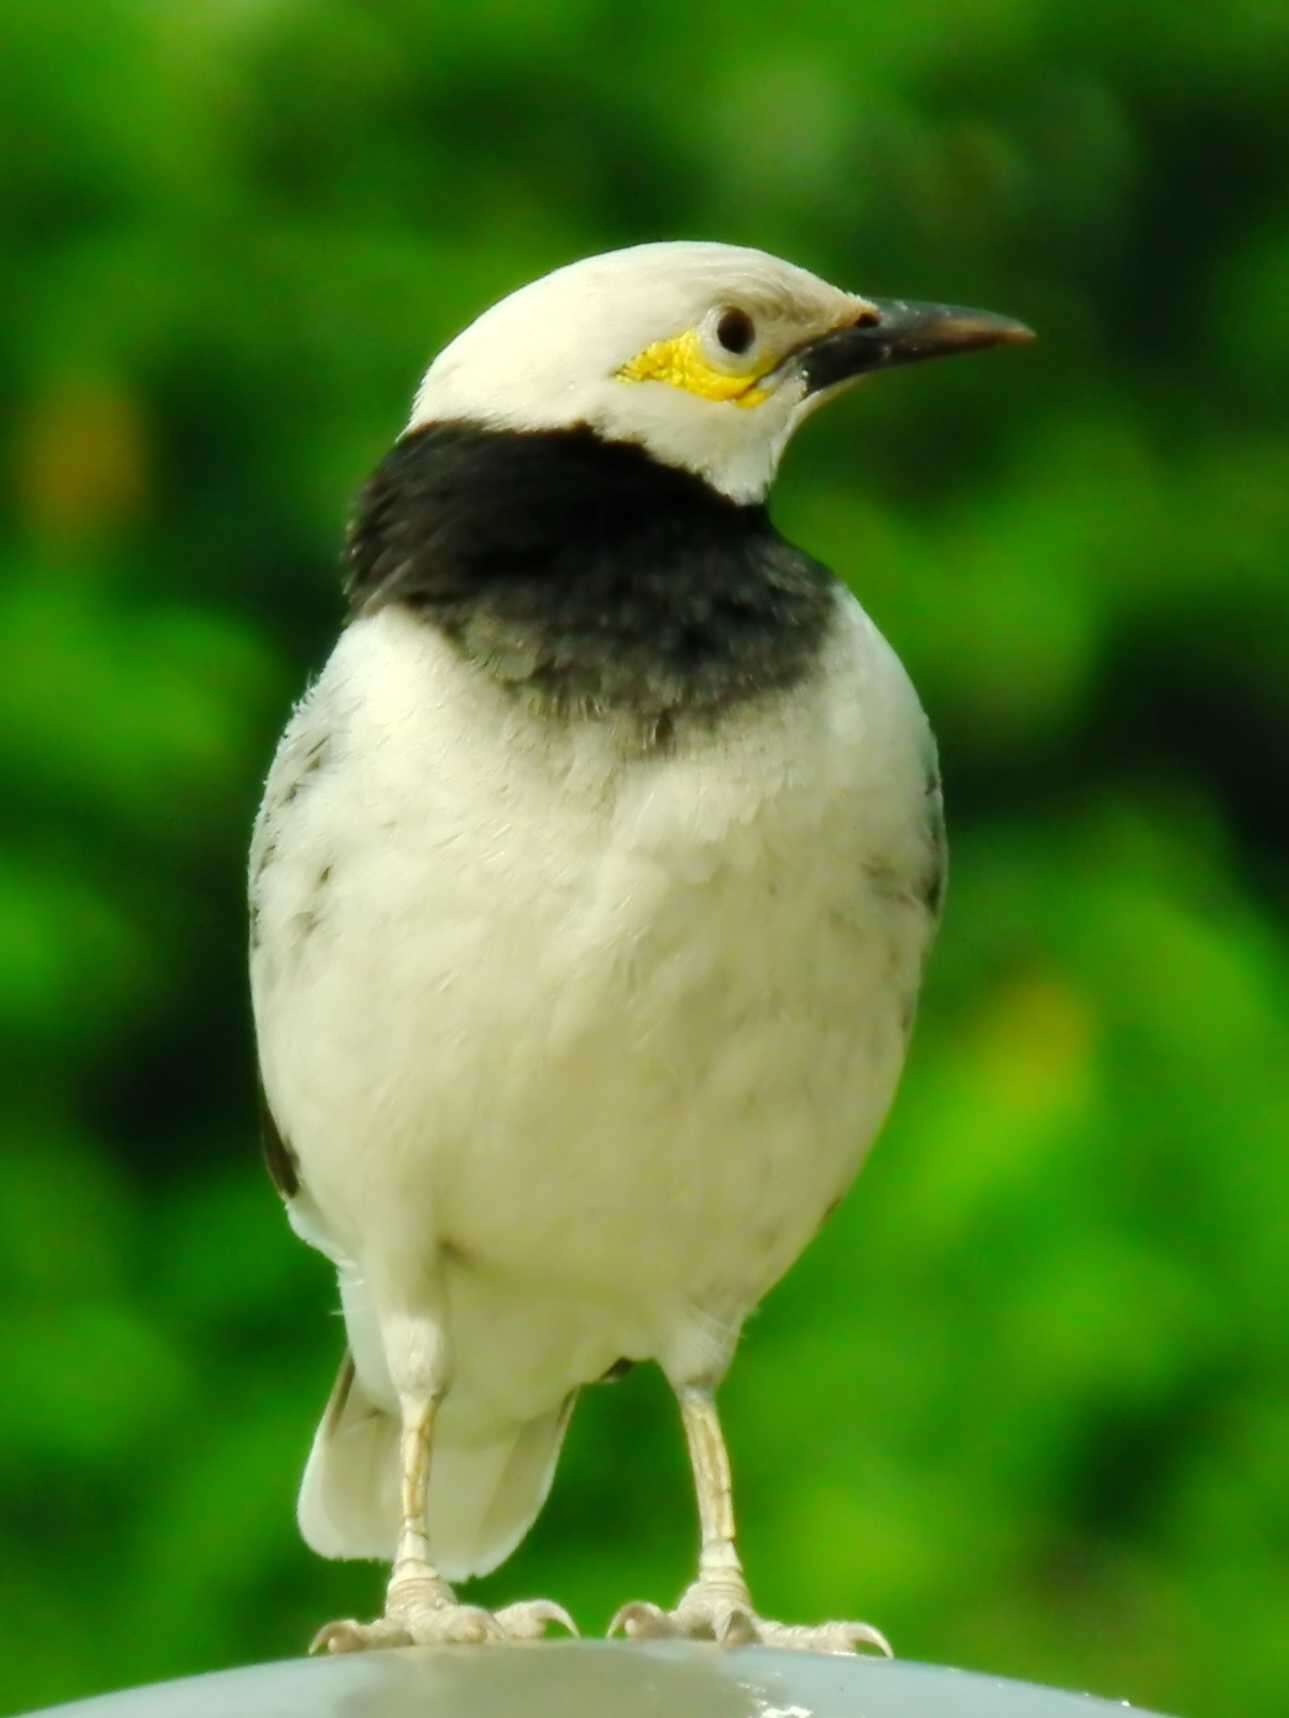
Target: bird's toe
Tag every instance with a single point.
(730, 1625)
(443, 1624)
(825, 1637)
(454, 1625)
(640, 1620)
(709, 1611)
(529, 1619)
(348, 1635)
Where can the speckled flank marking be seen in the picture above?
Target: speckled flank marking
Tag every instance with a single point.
(314, 759)
(307, 920)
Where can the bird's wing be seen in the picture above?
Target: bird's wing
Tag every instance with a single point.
(934, 882)
(279, 1159)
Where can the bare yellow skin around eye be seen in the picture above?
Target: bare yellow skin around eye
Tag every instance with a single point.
(680, 362)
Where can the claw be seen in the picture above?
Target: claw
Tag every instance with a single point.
(528, 1620)
(332, 1637)
(735, 1627)
(826, 1637)
(711, 1615)
(444, 1625)
(864, 1634)
(640, 1620)
(351, 1636)
(470, 1625)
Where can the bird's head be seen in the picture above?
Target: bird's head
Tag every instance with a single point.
(708, 356)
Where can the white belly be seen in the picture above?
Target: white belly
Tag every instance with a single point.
(598, 1036)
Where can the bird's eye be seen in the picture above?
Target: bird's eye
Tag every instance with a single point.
(735, 331)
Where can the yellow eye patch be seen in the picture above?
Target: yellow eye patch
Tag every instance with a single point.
(680, 361)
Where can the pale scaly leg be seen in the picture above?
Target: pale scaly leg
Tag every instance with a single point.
(718, 1605)
(421, 1609)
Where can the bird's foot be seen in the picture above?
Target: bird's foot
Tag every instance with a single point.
(722, 1611)
(426, 1612)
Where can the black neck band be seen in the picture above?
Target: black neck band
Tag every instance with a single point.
(585, 571)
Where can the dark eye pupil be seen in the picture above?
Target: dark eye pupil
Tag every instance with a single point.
(735, 331)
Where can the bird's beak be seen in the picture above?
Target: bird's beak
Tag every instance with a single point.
(888, 332)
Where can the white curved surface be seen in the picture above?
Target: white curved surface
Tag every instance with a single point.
(593, 1679)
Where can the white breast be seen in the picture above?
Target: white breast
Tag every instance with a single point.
(605, 1033)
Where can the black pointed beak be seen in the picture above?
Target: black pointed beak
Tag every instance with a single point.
(891, 332)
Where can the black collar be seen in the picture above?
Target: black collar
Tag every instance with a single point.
(586, 572)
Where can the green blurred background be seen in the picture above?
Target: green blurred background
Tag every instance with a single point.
(1026, 1403)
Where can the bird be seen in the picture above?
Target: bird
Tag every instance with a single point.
(590, 897)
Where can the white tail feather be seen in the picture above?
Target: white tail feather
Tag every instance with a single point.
(484, 1494)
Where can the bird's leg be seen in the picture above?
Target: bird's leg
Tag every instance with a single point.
(718, 1606)
(720, 1583)
(414, 1584)
(421, 1609)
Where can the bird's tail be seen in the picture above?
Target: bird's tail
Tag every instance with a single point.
(485, 1493)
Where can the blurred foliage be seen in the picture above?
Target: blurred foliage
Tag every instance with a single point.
(1026, 1403)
